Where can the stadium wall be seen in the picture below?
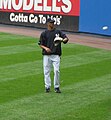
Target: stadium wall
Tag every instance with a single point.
(95, 17)
(92, 16)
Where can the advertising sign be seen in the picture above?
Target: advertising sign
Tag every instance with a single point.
(36, 12)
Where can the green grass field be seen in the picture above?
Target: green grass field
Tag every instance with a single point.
(85, 82)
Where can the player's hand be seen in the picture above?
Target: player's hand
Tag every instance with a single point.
(48, 50)
(65, 40)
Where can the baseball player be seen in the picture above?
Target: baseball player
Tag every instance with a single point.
(50, 42)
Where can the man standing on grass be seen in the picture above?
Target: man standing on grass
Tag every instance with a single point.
(51, 53)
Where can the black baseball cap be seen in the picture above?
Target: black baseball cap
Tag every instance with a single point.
(50, 20)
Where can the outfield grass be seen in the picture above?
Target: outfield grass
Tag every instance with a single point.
(85, 82)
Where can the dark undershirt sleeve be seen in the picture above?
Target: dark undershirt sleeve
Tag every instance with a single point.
(42, 39)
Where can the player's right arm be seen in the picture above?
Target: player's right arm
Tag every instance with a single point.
(45, 48)
(42, 43)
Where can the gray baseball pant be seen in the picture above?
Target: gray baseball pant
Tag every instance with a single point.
(48, 61)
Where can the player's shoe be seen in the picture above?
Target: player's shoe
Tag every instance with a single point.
(47, 90)
(57, 90)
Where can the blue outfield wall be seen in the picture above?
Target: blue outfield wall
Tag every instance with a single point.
(95, 16)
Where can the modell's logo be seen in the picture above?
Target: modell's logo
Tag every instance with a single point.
(64, 6)
(61, 7)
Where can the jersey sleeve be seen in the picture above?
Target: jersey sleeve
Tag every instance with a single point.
(42, 39)
(63, 35)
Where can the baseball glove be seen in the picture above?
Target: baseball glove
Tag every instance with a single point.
(57, 40)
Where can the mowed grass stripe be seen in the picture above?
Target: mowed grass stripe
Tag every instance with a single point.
(31, 68)
(12, 40)
(98, 85)
(32, 84)
(34, 47)
(11, 37)
(85, 72)
(74, 49)
(24, 53)
(21, 87)
(29, 56)
(85, 58)
(16, 42)
(18, 49)
(23, 57)
(74, 98)
(22, 69)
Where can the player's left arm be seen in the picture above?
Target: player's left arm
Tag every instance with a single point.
(65, 38)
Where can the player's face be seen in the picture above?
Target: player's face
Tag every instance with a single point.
(50, 25)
